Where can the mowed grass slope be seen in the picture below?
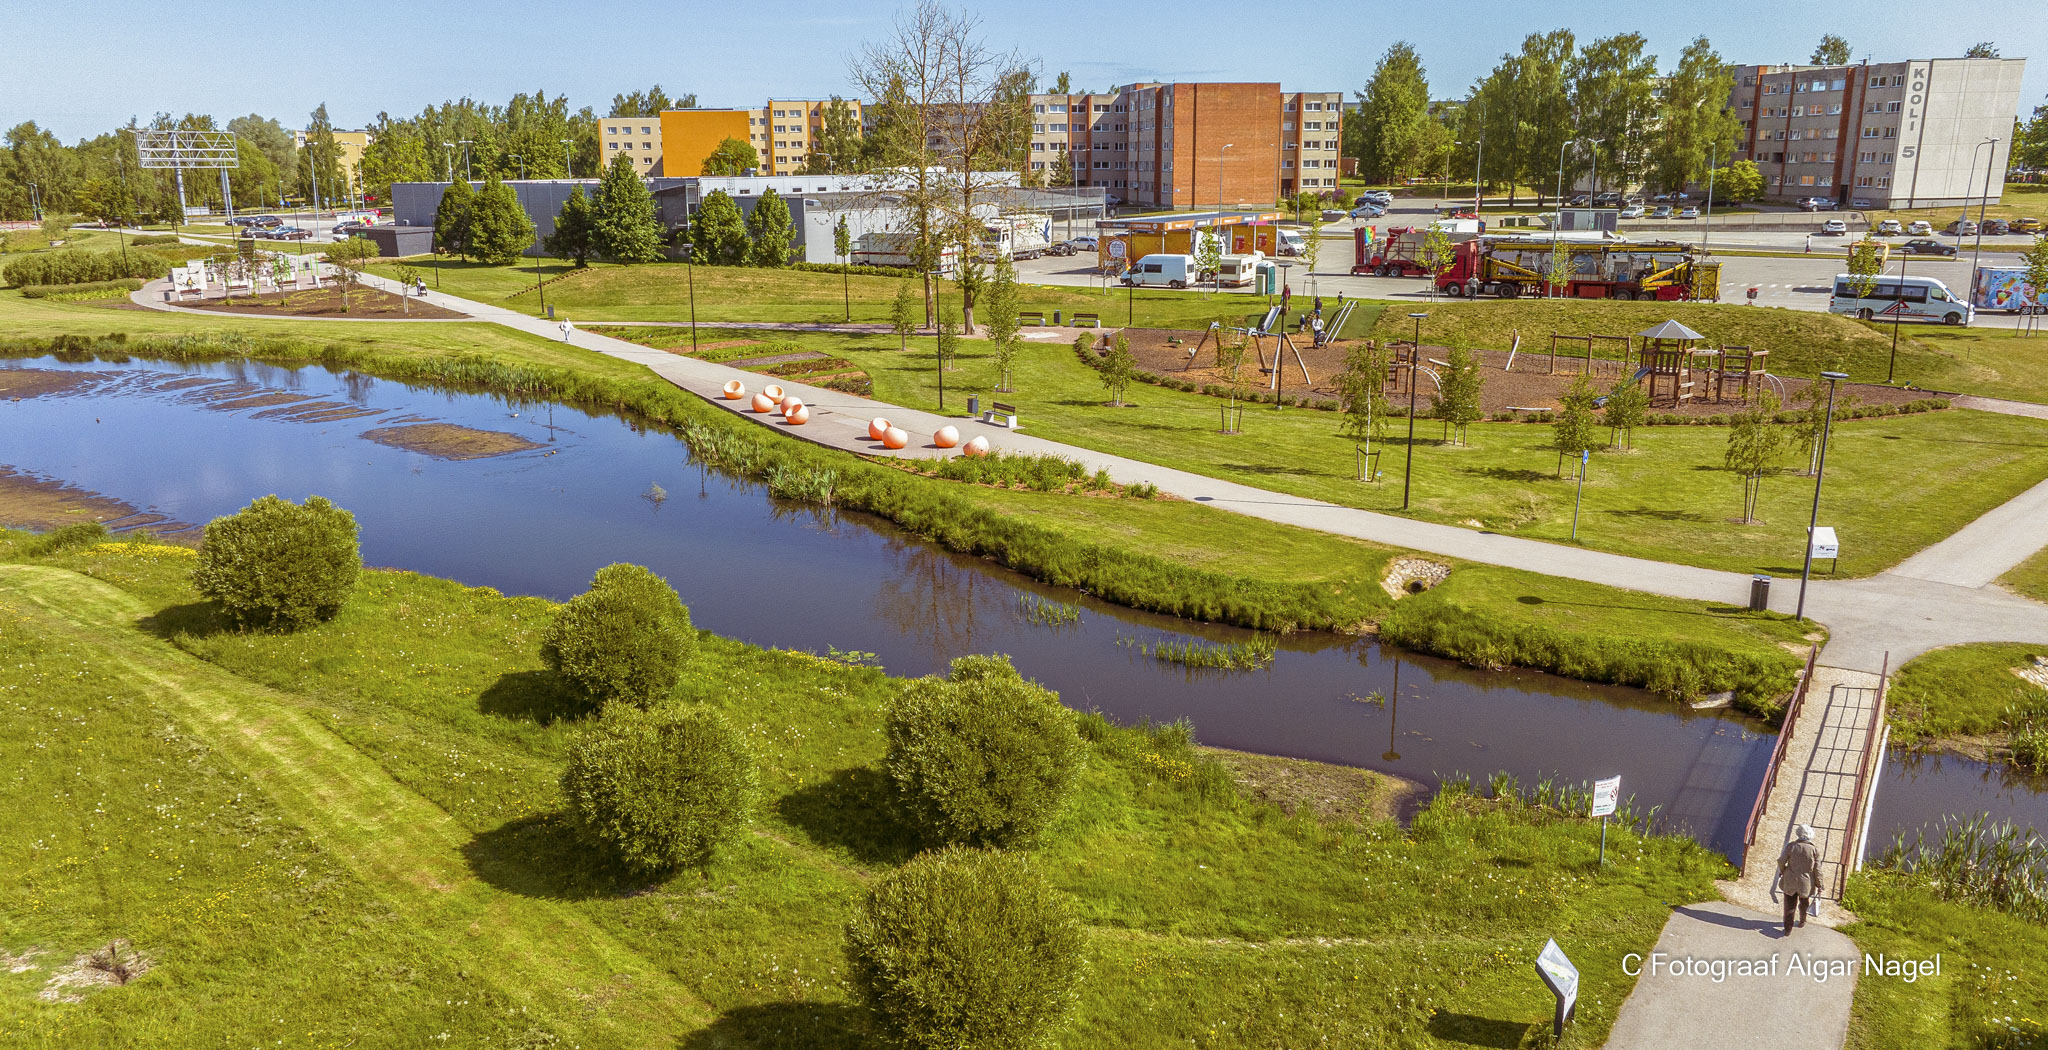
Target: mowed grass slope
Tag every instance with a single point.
(1894, 484)
(413, 743)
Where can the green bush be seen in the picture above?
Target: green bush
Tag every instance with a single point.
(78, 266)
(44, 291)
(858, 271)
(279, 564)
(64, 538)
(965, 948)
(659, 790)
(626, 638)
(981, 758)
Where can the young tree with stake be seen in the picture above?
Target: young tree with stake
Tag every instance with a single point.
(1362, 394)
(1459, 402)
(1118, 369)
(1627, 405)
(1438, 253)
(842, 246)
(1571, 429)
(999, 310)
(903, 316)
(1755, 442)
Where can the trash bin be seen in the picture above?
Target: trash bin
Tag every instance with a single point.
(1055, 318)
(551, 313)
(1759, 593)
(974, 406)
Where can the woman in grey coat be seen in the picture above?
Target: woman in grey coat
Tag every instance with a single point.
(1798, 875)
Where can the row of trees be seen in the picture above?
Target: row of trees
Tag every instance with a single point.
(1640, 126)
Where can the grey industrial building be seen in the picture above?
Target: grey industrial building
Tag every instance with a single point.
(816, 203)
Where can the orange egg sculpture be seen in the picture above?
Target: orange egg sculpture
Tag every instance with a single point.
(791, 404)
(763, 403)
(976, 446)
(946, 437)
(797, 416)
(773, 391)
(895, 437)
(877, 427)
(734, 390)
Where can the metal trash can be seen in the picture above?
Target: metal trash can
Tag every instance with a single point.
(974, 406)
(551, 313)
(1759, 593)
(1055, 318)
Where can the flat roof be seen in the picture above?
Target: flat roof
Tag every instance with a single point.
(1191, 220)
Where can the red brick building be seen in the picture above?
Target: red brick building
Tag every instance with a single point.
(1192, 145)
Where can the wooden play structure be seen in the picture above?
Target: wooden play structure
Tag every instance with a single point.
(1681, 368)
(1585, 343)
(1266, 330)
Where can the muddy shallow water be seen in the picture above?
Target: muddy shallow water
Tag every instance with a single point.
(194, 442)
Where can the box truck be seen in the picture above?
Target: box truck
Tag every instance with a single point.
(2006, 288)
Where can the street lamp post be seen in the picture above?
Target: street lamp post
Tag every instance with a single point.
(1219, 175)
(938, 342)
(35, 207)
(568, 158)
(690, 270)
(1820, 471)
(1414, 376)
(1560, 182)
(1892, 366)
(466, 173)
(448, 155)
(1982, 202)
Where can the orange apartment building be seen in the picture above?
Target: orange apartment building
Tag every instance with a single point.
(675, 144)
(1194, 145)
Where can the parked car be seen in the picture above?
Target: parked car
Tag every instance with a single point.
(290, 233)
(1333, 214)
(1689, 212)
(1083, 243)
(1996, 228)
(2026, 224)
(1960, 228)
(1579, 201)
(1835, 228)
(1060, 248)
(1633, 211)
(1862, 203)
(1162, 271)
(1368, 210)
(1112, 199)
(1816, 204)
(1889, 228)
(349, 229)
(1919, 228)
(270, 221)
(1663, 212)
(1925, 246)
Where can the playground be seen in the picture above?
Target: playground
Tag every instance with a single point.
(1684, 374)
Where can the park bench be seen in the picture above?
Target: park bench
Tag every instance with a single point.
(1031, 317)
(1090, 320)
(999, 414)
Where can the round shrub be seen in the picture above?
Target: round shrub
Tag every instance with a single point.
(626, 638)
(661, 789)
(983, 758)
(965, 948)
(279, 564)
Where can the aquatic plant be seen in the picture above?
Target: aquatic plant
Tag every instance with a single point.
(1048, 612)
(1193, 652)
(1992, 864)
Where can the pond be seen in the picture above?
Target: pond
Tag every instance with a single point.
(1918, 789)
(580, 491)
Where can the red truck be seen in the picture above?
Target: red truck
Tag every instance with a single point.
(1397, 252)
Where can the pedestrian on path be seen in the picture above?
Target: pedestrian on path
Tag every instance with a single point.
(1809, 244)
(1798, 875)
(567, 329)
(1319, 307)
(1286, 293)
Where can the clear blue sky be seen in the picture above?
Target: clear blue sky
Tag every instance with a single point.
(81, 69)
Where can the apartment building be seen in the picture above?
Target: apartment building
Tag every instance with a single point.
(1191, 145)
(1912, 134)
(675, 144)
(348, 146)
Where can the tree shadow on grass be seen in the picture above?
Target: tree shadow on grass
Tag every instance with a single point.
(198, 619)
(1711, 610)
(543, 857)
(1529, 477)
(1661, 515)
(823, 1026)
(853, 812)
(1467, 1030)
(534, 696)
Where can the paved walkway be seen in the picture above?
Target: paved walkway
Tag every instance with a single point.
(1773, 1009)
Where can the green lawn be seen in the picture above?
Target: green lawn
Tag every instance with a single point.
(1669, 499)
(1963, 691)
(2030, 577)
(353, 832)
(1993, 362)
(1990, 994)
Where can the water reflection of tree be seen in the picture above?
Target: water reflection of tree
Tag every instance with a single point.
(934, 601)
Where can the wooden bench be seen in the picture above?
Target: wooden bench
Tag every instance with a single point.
(1031, 317)
(999, 414)
(1090, 320)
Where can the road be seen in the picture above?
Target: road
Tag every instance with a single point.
(1797, 282)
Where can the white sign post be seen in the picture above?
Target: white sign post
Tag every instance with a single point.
(1562, 977)
(1824, 545)
(1604, 794)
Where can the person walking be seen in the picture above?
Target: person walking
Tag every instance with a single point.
(1319, 307)
(1286, 293)
(1798, 875)
(566, 328)
(1809, 244)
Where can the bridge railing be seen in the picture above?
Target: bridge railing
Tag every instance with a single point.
(1866, 768)
(1763, 793)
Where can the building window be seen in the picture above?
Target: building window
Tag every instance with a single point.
(1870, 133)
(1040, 108)
(1286, 163)
(1287, 125)
(1038, 147)
(1288, 108)
(1887, 158)
(1037, 165)
(1891, 107)
(612, 145)
(1038, 129)
(1884, 182)
(1827, 180)
(1749, 103)
(1287, 145)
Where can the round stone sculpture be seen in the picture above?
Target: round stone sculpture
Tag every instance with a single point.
(895, 437)
(763, 403)
(773, 391)
(734, 390)
(946, 437)
(797, 416)
(877, 427)
(976, 446)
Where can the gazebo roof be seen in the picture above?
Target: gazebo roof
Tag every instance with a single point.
(1669, 330)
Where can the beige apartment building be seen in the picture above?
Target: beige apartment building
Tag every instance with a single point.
(1191, 145)
(1921, 133)
(784, 133)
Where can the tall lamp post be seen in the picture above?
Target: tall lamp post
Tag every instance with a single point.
(448, 154)
(1414, 376)
(1982, 202)
(465, 158)
(1713, 158)
(1219, 175)
(568, 158)
(1813, 523)
(690, 270)
(1561, 147)
(938, 342)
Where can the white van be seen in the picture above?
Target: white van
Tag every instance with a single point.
(1907, 298)
(1237, 271)
(1161, 271)
(1291, 242)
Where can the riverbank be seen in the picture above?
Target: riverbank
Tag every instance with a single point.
(1988, 702)
(1159, 555)
(384, 782)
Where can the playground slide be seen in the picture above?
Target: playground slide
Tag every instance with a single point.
(1272, 318)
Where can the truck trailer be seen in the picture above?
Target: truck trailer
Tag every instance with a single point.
(2006, 288)
(1397, 251)
(1025, 235)
(1515, 266)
